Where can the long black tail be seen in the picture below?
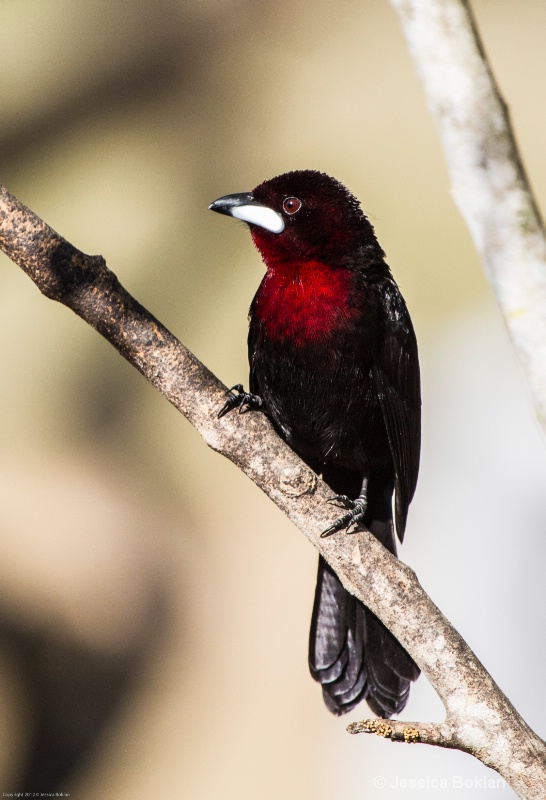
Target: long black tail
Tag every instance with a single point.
(351, 653)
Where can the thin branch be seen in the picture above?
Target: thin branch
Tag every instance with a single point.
(439, 734)
(487, 177)
(482, 720)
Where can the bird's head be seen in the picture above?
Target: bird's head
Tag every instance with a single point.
(305, 215)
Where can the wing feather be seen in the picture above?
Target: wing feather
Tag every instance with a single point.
(396, 377)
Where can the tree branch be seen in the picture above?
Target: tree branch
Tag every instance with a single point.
(488, 180)
(436, 733)
(480, 719)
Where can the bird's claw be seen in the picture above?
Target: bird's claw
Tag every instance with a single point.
(356, 513)
(245, 401)
(343, 500)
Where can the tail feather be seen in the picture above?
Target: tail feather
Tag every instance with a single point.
(342, 703)
(328, 637)
(353, 655)
(389, 691)
(349, 689)
(355, 672)
(400, 660)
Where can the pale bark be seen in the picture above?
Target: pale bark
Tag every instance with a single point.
(488, 181)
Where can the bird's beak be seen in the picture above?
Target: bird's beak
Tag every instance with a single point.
(244, 206)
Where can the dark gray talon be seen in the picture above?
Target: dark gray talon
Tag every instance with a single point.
(343, 500)
(245, 401)
(356, 514)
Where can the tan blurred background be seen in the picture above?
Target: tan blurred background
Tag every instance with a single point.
(154, 607)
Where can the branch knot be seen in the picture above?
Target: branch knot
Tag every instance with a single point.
(296, 481)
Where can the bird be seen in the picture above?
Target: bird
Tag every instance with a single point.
(334, 364)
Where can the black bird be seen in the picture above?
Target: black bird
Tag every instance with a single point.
(334, 364)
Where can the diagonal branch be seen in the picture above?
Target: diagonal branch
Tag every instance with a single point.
(480, 719)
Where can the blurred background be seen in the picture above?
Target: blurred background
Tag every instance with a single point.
(153, 640)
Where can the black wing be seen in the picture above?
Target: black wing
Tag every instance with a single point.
(395, 373)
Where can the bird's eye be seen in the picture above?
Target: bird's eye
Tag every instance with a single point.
(291, 205)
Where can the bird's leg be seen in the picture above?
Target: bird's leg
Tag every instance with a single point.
(357, 509)
(245, 401)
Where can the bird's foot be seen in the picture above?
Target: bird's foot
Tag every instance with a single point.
(357, 512)
(245, 401)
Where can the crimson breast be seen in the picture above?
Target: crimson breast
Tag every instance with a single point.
(304, 302)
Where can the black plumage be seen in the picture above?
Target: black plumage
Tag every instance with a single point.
(333, 357)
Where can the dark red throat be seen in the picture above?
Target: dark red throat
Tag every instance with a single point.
(303, 301)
